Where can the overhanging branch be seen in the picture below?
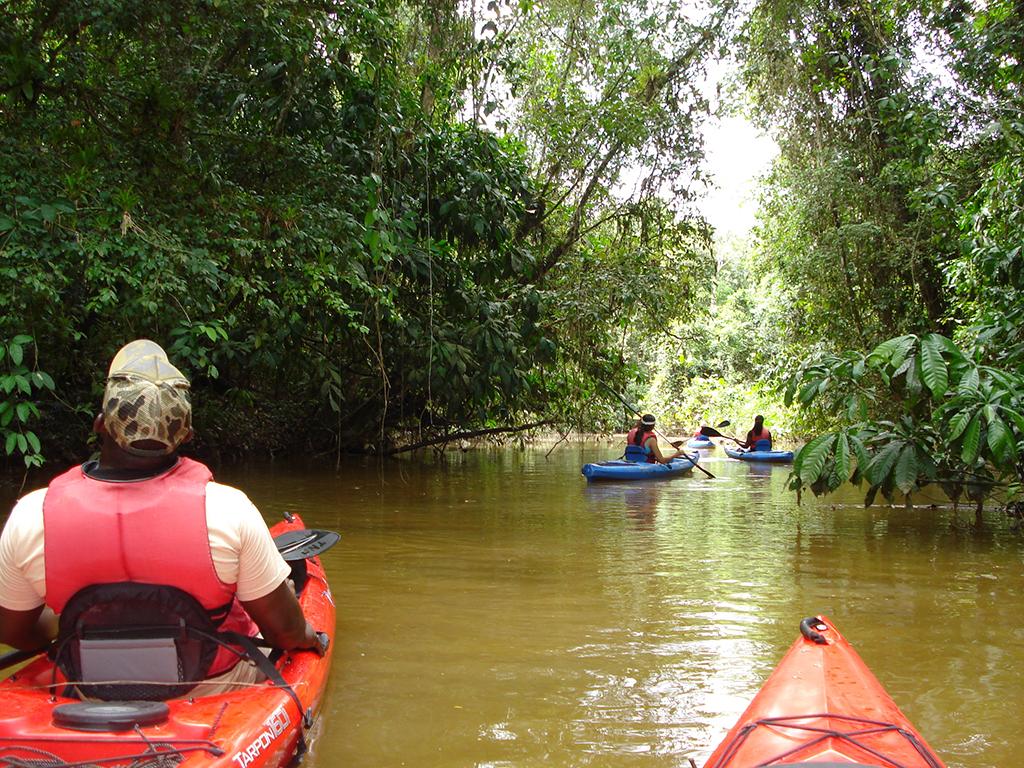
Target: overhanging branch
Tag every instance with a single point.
(450, 436)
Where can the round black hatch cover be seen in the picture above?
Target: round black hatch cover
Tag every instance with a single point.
(309, 542)
(109, 715)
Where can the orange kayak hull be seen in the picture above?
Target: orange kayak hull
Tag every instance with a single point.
(257, 727)
(822, 705)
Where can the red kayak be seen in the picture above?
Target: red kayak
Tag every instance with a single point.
(260, 725)
(823, 707)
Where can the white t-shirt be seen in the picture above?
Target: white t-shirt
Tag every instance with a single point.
(242, 547)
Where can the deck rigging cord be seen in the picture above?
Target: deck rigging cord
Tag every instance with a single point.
(820, 734)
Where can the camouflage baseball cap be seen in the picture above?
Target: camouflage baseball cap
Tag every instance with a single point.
(146, 406)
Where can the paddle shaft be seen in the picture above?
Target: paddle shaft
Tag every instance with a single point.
(694, 458)
(658, 432)
(11, 658)
(712, 432)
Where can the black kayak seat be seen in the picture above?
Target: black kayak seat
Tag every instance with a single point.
(129, 641)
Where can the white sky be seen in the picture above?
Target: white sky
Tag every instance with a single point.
(737, 153)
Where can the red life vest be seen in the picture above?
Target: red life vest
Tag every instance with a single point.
(149, 531)
(752, 439)
(632, 438)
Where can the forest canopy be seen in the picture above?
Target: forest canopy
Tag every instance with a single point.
(351, 223)
(894, 219)
(365, 225)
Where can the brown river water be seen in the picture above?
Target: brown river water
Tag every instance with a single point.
(496, 610)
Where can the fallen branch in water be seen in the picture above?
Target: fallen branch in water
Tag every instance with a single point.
(449, 437)
(561, 439)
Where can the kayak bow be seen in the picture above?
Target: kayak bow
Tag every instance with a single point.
(822, 707)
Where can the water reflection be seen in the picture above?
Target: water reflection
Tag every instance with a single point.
(638, 501)
(763, 469)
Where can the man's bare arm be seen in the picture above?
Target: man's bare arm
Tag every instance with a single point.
(27, 630)
(279, 617)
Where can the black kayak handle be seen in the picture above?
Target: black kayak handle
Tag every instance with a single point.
(809, 628)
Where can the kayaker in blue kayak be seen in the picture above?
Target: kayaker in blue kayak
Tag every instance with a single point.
(642, 443)
(758, 438)
(143, 526)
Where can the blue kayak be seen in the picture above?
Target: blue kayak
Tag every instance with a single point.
(620, 469)
(700, 442)
(779, 457)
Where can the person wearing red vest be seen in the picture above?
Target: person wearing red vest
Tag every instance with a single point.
(758, 438)
(141, 513)
(642, 436)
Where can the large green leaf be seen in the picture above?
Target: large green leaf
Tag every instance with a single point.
(809, 391)
(1000, 440)
(863, 459)
(905, 472)
(813, 456)
(903, 347)
(1016, 417)
(853, 404)
(830, 480)
(969, 382)
(882, 462)
(843, 457)
(913, 377)
(934, 372)
(926, 468)
(791, 388)
(971, 441)
(892, 351)
(948, 346)
(958, 424)
(953, 405)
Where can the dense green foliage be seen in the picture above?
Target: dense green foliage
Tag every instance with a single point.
(722, 362)
(843, 225)
(317, 209)
(896, 208)
(20, 386)
(387, 222)
(954, 421)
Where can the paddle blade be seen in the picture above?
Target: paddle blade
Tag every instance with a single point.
(306, 542)
(710, 431)
(724, 423)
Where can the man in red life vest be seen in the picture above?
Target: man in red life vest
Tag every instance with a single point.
(142, 514)
(642, 443)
